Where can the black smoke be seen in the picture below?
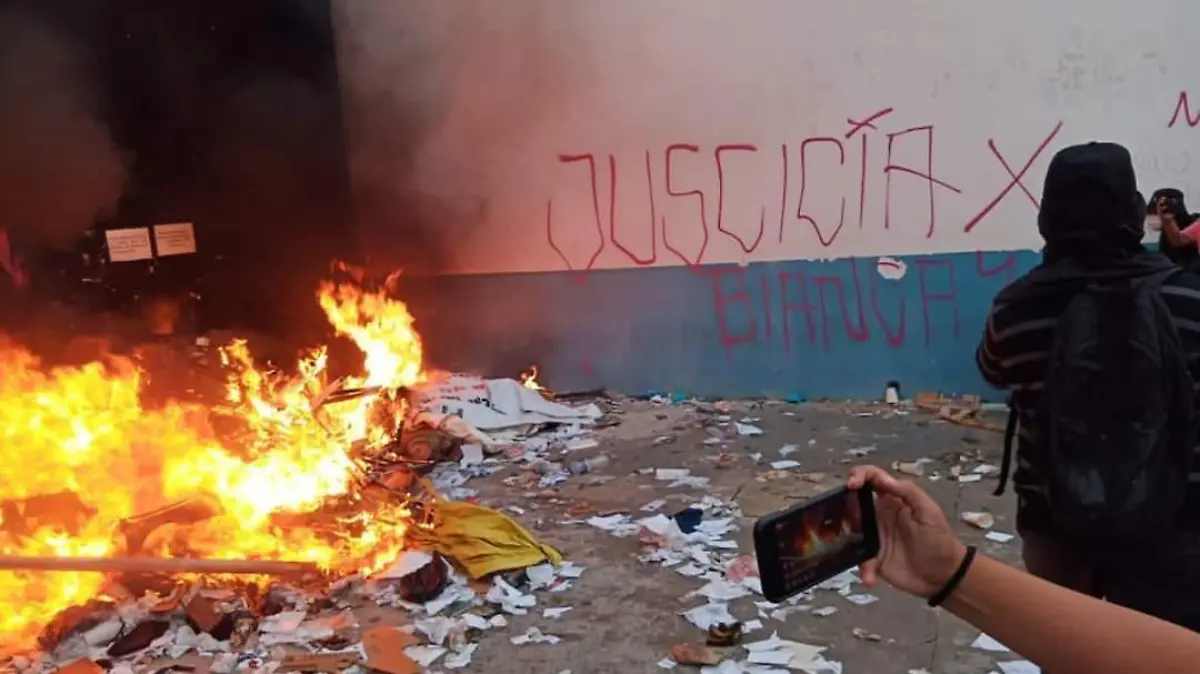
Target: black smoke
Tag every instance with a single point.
(60, 169)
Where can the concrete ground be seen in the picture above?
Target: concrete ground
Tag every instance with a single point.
(625, 616)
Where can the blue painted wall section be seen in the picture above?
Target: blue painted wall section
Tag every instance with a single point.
(787, 329)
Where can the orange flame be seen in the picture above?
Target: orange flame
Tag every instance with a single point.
(529, 379)
(85, 431)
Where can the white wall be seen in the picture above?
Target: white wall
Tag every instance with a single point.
(501, 89)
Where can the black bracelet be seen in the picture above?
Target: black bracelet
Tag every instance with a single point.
(952, 584)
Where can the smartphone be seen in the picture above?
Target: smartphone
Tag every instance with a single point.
(814, 541)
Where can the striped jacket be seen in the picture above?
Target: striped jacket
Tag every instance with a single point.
(1013, 356)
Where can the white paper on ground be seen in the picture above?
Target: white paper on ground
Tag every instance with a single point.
(723, 590)
(1019, 667)
(747, 430)
(534, 636)
(984, 642)
(424, 655)
(497, 404)
(460, 658)
(707, 615)
(472, 455)
(998, 537)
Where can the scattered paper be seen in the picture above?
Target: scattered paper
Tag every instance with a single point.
(1018, 667)
(979, 520)
(498, 404)
(556, 612)
(460, 658)
(862, 599)
(998, 537)
(654, 505)
(424, 655)
(534, 636)
(984, 642)
(784, 465)
(708, 615)
(747, 430)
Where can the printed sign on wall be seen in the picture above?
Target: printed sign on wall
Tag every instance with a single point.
(175, 239)
(128, 245)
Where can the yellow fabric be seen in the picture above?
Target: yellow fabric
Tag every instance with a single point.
(481, 540)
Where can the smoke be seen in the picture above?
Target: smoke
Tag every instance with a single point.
(59, 168)
(435, 95)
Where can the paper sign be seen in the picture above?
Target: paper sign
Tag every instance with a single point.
(175, 239)
(127, 245)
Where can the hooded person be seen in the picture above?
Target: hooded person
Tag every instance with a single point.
(1093, 346)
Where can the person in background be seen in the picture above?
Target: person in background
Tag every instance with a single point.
(1057, 629)
(1099, 348)
(1179, 237)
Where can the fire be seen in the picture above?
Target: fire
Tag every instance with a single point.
(85, 431)
(529, 379)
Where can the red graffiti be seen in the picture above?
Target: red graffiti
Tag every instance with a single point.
(789, 307)
(1183, 108)
(768, 321)
(762, 216)
(721, 303)
(818, 155)
(699, 194)
(612, 214)
(800, 214)
(748, 309)
(928, 296)
(1008, 267)
(868, 123)
(1015, 178)
(855, 127)
(925, 173)
(860, 334)
(895, 338)
(569, 159)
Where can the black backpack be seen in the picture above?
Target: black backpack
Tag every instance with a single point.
(1116, 421)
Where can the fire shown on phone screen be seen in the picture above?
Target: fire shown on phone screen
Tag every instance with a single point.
(812, 542)
(825, 532)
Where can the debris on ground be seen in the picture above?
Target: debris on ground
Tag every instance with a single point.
(979, 520)
(962, 410)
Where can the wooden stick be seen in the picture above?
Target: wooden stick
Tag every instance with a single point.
(157, 565)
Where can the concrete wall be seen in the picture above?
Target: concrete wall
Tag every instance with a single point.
(787, 197)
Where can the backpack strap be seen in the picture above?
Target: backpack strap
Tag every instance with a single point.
(1010, 433)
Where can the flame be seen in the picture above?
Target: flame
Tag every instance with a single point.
(84, 430)
(817, 542)
(529, 379)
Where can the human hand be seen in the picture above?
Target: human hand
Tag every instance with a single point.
(918, 551)
(1165, 215)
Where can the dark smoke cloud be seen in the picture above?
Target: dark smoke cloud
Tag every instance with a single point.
(434, 96)
(59, 168)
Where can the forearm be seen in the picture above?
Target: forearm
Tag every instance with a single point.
(1173, 235)
(1066, 632)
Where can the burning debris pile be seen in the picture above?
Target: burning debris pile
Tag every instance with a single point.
(131, 534)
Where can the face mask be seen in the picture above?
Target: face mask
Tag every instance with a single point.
(1153, 223)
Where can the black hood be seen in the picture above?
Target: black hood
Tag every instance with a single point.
(1091, 207)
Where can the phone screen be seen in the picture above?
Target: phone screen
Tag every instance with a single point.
(816, 541)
